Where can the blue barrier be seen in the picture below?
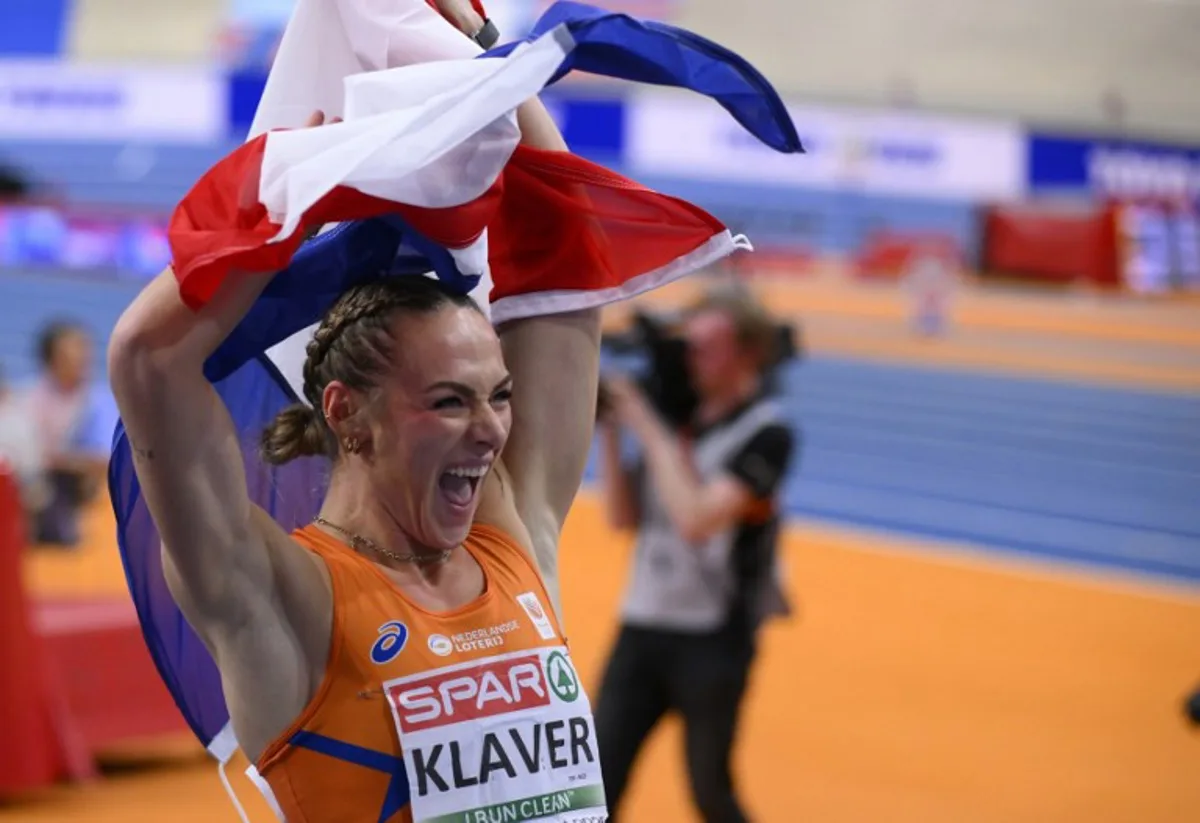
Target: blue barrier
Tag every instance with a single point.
(114, 173)
(33, 28)
(1100, 166)
(852, 151)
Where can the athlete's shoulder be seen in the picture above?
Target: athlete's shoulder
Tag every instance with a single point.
(494, 536)
(346, 569)
(309, 536)
(494, 545)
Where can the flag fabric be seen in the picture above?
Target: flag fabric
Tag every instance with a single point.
(426, 175)
(352, 37)
(622, 47)
(432, 141)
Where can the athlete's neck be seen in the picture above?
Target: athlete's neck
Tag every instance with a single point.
(352, 504)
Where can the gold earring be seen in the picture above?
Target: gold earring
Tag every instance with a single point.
(351, 445)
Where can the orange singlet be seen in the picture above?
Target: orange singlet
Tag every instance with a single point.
(471, 715)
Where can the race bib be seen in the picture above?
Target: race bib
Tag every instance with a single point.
(507, 738)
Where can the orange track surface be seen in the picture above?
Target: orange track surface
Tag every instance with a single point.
(920, 685)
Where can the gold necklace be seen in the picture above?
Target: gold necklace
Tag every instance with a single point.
(360, 543)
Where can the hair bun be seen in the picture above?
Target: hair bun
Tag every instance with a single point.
(297, 431)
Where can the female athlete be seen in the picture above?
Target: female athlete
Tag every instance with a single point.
(415, 616)
(400, 658)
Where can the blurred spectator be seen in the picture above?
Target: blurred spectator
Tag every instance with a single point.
(74, 419)
(930, 281)
(705, 502)
(13, 187)
(20, 447)
(1192, 707)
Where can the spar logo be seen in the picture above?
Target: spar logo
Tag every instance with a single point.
(485, 690)
(563, 680)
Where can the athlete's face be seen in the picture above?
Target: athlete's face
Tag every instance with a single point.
(439, 423)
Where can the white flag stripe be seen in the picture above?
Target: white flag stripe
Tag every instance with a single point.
(351, 36)
(440, 152)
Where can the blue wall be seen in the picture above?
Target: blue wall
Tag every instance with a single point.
(33, 28)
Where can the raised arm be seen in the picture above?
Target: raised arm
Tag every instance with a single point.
(232, 570)
(224, 559)
(186, 451)
(555, 363)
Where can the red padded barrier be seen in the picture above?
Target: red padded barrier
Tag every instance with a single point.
(96, 651)
(1053, 245)
(37, 744)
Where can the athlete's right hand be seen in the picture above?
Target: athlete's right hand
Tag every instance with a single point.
(462, 15)
(317, 118)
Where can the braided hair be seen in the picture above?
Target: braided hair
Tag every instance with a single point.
(353, 345)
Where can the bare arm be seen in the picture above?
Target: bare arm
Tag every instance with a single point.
(229, 567)
(185, 448)
(554, 361)
(620, 503)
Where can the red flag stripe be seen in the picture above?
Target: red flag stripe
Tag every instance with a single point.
(569, 225)
(221, 227)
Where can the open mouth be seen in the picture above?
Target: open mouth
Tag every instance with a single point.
(460, 484)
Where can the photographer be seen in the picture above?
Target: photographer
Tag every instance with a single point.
(704, 500)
